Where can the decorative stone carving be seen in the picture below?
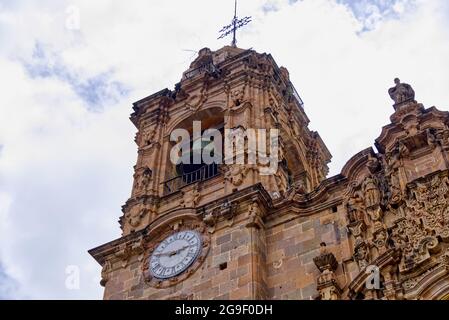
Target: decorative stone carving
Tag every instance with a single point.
(327, 284)
(431, 137)
(375, 214)
(134, 217)
(227, 210)
(190, 197)
(294, 126)
(143, 178)
(357, 229)
(373, 163)
(355, 207)
(401, 92)
(281, 181)
(210, 220)
(411, 125)
(392, 175)
(296, 190)
(326, 260)
(128, 250)
(361, 255)
(105, 272)
(194, 102)
(380, 238)
(254, 216)
(237, 97)
(371, 192)
(147, 136)
(236, 173)
(427, 214)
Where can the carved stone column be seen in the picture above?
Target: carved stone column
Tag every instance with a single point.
(327, 284)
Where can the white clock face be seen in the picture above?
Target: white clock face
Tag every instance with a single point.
(175, 254)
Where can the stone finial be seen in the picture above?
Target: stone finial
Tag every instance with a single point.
(326, 260)
(401, 92)
(327, 284)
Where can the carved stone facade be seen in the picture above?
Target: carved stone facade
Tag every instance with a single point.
(377, 230)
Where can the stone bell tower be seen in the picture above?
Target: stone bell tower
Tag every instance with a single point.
(197, 231)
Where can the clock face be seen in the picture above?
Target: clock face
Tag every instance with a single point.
(175, 254)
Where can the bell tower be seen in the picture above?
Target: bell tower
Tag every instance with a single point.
(196, 230)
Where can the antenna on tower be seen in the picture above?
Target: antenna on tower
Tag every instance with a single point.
(232, 28)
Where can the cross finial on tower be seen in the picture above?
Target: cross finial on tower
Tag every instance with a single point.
(235, 24)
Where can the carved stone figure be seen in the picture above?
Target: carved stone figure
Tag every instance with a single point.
(380, 240)
(373, 163)
(355, 208)
(375, 214)
(401, 92)
(237, 97)
(392, 173)
(431, 138)
(105, 273)
(254, 216)
(361, 255)
(144, 180)
(371, 192)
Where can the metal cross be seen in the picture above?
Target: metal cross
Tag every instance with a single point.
(235, 24)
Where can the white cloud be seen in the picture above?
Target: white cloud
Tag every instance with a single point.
(65, 170)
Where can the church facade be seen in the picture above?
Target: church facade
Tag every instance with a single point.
(377, 230)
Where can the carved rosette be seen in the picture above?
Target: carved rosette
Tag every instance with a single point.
(152, 241)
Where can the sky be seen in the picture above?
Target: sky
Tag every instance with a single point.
(70, 71)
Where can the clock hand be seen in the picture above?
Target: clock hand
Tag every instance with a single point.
(169, 253)
(181, 249)
(173, 252)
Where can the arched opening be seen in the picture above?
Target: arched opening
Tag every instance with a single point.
(203, 128)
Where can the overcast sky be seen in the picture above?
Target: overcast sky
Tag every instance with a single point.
(66, 143)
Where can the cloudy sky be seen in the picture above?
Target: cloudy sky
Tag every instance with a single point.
(67, 85)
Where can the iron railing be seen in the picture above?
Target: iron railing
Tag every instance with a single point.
(207, 67)
(205, 172)
(296, 95)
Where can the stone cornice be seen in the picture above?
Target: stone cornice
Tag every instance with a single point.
(253, 193)
(356, 164)
(315, 201)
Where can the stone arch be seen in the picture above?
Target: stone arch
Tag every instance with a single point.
(209, 111)
(433, 286)
(211, 115)
(297, 164)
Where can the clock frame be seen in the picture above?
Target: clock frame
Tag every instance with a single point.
(158, 236)
(175, 254)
